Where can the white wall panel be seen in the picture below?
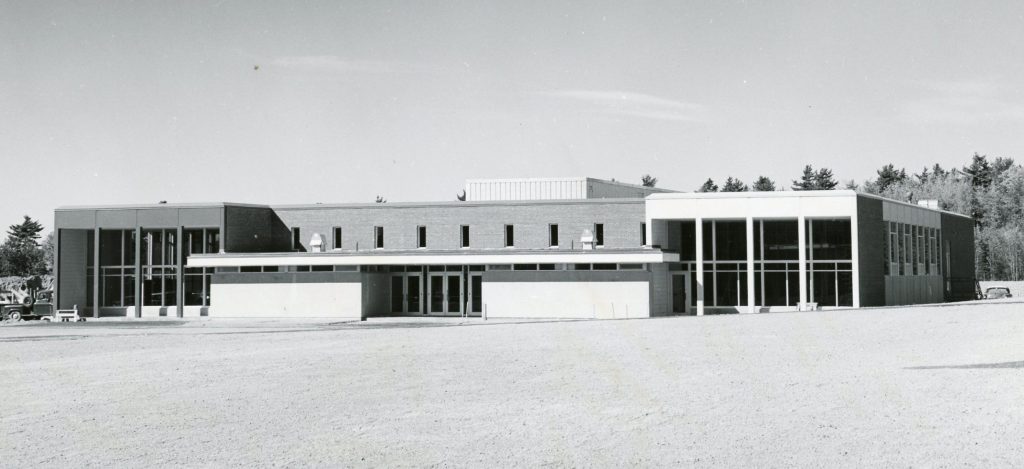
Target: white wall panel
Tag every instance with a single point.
(567, 300)
(284, 300)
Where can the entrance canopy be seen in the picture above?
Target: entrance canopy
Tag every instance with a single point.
(436, 257)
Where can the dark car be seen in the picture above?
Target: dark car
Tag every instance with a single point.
(992, 293)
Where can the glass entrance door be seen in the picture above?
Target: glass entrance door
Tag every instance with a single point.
(445, 294)
(475, 294)
(680, 293)
(405, 294)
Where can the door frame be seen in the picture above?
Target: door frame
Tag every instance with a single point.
(446, 306)
(685, 274)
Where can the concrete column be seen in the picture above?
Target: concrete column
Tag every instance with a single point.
(801, 236)
(224, 231)
(96, 273)
(751, 300)
(855, 253)
(180, 279)
(699, 237)
(138, 272)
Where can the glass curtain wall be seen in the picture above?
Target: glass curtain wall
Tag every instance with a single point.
(725, 262)
(196, 284)
(117, 268)
(830, 262)
(776, 262)
(159, 267)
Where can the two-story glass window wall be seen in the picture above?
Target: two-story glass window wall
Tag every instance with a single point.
(776, 262)
(725, 262)
(159, 267)
(830, 262)
(117, 268)
(196, 284)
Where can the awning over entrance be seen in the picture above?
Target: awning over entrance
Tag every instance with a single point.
(425, 257)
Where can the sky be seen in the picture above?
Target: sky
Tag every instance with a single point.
(300, 102)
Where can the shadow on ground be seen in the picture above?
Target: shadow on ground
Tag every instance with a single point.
(973, 366)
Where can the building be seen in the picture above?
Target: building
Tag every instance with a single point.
(565, 248)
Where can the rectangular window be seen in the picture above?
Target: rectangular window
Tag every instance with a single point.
(337, 237)
(643, 234)
(421, 236)
(378, 237)
(509, 236)
(599, 234)
(465, 236)
(296, 240)
(553, 235)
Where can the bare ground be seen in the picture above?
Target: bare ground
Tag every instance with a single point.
(924, 386)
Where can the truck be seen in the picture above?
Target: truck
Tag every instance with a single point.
(30, 305)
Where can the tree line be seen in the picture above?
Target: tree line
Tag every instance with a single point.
(989, 190)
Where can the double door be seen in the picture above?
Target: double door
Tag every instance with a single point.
(436, 293)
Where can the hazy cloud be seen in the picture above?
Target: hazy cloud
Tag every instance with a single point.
(963, 103)
(624, 103)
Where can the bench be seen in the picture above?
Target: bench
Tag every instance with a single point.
(64, 315)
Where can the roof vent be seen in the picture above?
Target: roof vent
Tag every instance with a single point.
(316, 243)
(587, 240)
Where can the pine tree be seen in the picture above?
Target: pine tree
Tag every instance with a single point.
(823, 180)
(764, 184)
(806, 182)
(734, 185)
(708, 186)
(980, 171)
(888, 176)
(25, 233)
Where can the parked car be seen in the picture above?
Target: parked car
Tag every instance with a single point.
(992, 293)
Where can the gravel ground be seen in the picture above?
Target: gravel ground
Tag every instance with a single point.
(924, 386)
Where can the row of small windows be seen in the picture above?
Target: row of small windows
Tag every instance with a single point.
(421, 236)
(432, 268)
(912, 249)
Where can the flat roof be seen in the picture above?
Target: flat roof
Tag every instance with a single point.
(157, 205)
(424, 256)
(788, 194)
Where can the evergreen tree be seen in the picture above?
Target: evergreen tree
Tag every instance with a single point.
(823, 180)
(734, 185)
(25, 233)
(923, 176)
(764, 184)
(938, 172)
(806, 182)
(979, 171)
(708, 186)
(888, 176)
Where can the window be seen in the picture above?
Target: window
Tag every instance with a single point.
(465, 236)
(337, 237)
(421, 236)
(378, 237)
(643, 234)
(296, 240)
(509, 236)
(599, 234)
(553, 235)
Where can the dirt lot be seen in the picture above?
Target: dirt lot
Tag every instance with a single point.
(923, 386)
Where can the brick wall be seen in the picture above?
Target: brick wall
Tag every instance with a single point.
(622, 223)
